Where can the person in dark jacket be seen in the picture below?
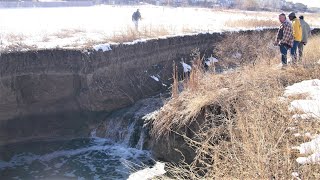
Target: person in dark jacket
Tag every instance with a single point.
(136, 17)
(306, 32)
(284, 38)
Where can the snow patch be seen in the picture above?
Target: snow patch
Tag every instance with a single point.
(304, 116)
(136, 41)
(310, 147)
(148, 173)
(292, 128)
(296, 175)
(310, 108)
(311, 87)
(103, 47)
(309, 135)
(296, 134)
(155, 78)
(186, 67)
(211, 60)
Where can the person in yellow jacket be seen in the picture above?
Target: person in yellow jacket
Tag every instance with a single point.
(297, 34)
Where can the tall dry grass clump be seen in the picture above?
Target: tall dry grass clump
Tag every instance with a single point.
(148, 31)
(249, 137)
(251, 23)
(175, 84)
(191, 79)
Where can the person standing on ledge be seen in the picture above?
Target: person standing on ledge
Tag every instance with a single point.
(284, 38)
(136, 17)
(306, 32)
(297, 34)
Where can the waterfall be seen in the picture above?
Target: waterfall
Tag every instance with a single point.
(141, 140)
(126, 126)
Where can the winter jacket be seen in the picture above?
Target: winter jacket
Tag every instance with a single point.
(306, 31)
(136, 16)
(297, 30)
(285, 35)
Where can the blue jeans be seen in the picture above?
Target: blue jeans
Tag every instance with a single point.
(284, 51)
(293, 51)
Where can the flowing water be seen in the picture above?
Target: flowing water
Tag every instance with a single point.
(85, 158)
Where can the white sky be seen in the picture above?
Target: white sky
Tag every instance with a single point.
(309, 3)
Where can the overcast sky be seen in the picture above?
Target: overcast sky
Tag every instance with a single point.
(309, 3)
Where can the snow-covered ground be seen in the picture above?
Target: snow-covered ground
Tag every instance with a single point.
(149, 173)
(309, 108)
(78, 26)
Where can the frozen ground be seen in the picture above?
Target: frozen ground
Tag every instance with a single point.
(83, 26)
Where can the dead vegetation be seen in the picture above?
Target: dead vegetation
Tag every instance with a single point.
(251, 23)
(265, 19)
(240, 49)
(68, 33)
(252, 139)
(16, 43)
(130, 34)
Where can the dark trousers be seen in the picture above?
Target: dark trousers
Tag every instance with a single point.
(300, 48)
(284, 51)
(294, 51)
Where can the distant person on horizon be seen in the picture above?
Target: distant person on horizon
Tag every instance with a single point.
(306, 32)
(297, 34)
(284, 38)
(136, 17)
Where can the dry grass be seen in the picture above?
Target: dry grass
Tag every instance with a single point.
(15, 37)
(250, 137)
(16, 43)
(130, 34)
(312, 19)
(251, 23)
(239, 49)
(312, 50)
(271, 19)
(68, 33)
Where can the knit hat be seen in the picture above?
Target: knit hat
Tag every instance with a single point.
(292, 14)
